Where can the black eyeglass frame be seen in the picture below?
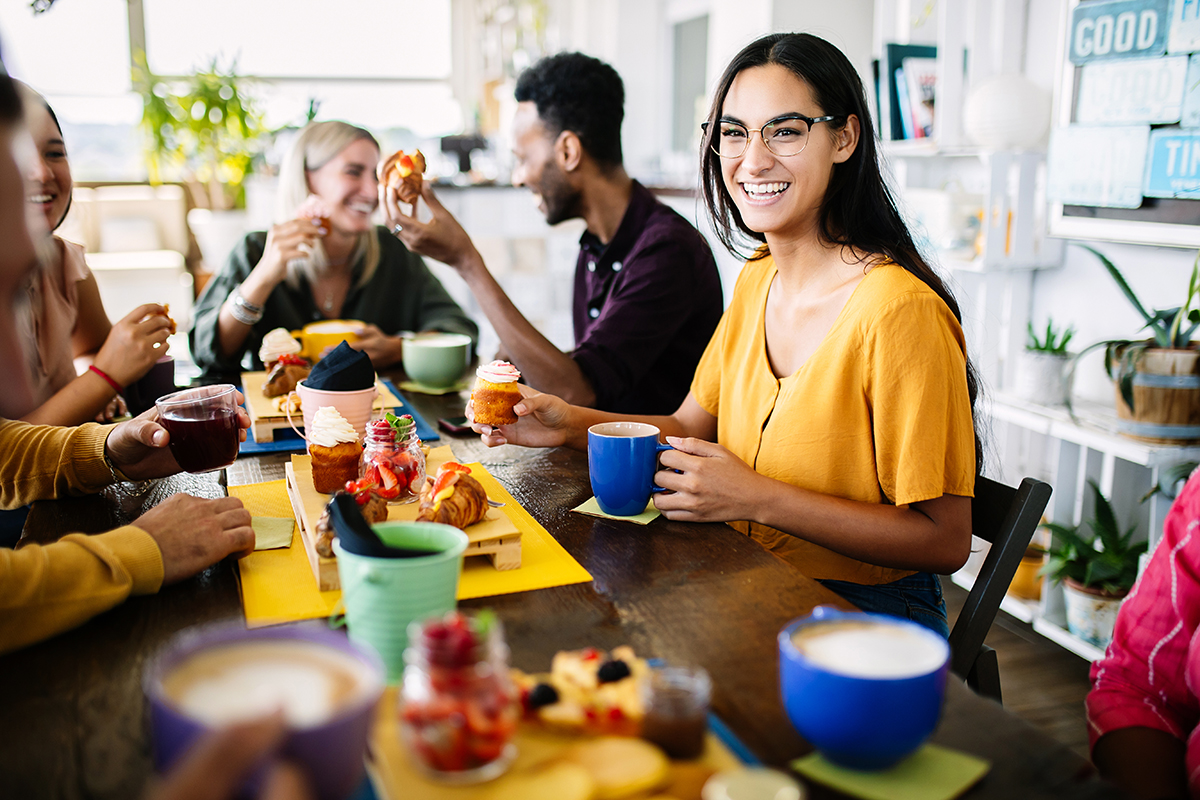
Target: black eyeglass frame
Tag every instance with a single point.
(809, 121)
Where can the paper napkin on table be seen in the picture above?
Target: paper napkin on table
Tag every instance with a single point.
(272, 532)
(420, 388)
(931, 773)
(593, 507)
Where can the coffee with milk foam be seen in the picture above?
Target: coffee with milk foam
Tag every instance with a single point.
(871, 649)
(245, 680)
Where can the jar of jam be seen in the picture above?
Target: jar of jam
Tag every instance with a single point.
(392, 460)
(458, 707)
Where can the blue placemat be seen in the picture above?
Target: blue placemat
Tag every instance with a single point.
(286, 440)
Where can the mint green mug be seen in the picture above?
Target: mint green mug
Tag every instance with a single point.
(437, 360)
(382, 596)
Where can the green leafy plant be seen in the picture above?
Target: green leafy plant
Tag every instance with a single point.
(204, 129)
(1169, 328)
(1054, 342)
(1102, 557)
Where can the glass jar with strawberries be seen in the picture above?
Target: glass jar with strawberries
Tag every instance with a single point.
(458, 707)
(393, 462)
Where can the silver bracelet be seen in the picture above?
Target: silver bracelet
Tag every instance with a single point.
(243, 310)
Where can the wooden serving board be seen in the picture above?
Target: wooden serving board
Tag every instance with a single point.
(496, 536)
(265, 418)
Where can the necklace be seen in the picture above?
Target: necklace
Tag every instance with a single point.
(330, 292)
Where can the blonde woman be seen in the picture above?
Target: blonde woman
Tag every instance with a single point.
(301, 272)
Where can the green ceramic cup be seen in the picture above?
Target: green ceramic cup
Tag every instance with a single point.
(437, 360)
(383, 595)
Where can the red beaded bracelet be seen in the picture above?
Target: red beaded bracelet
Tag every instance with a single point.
(116, 386)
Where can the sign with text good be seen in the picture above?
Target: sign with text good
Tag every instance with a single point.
(1118, 29)
(1146, 90)
(1097, 165)
(1173, 168)
(1185, 27)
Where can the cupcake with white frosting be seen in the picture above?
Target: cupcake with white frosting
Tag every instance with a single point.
(334, 449)
(276, 344)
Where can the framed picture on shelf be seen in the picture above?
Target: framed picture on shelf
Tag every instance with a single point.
(1124, 157)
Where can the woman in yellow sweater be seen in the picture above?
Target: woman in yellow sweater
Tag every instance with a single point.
(831, 416)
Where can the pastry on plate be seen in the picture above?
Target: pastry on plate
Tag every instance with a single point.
(495, 393)
(402, 172)
(276, 344)
(334, 449)
(374, 509)
(453, 497)
(283, 377)
(588, 691)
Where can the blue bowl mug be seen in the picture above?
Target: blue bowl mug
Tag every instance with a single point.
(864, 689)
(622, 460)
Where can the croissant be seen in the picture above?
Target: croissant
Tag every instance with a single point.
(403, 173)
(453, 498)
(283, 378)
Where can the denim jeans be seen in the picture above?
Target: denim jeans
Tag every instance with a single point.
(917, 597)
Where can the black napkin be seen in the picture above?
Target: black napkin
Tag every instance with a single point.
(358, 537)
(343, 370)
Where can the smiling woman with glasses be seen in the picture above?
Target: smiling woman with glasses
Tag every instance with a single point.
(830, 418)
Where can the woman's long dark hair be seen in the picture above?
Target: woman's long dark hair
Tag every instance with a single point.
(858, 211)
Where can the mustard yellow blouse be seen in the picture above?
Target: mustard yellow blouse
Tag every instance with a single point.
(879, 413)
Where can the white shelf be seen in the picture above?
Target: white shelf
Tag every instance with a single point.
(1065, 638)
(1093, 426)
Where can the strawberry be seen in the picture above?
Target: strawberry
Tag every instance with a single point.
(416, 482)
(372, 477)
(291, 358)
(388, 478)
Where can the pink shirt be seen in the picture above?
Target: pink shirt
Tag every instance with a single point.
(1150, 675)
(47, 329)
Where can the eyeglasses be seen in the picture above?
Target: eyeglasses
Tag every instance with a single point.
(786, 136)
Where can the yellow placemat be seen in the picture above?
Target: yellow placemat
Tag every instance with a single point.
(592, 506)
(931, 773)
(395, 778)
(271, 533)
(278, 585)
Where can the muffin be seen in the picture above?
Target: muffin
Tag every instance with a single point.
(334, 449)
(496, 392)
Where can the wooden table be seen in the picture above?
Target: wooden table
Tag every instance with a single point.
(73, 720)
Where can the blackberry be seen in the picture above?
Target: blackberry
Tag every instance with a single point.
(542, 695)
(611, 671)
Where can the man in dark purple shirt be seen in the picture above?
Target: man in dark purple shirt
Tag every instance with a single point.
(647, 293)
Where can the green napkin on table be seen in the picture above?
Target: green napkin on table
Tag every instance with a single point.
(420, 388)
(272, 532)
(931, 773)
(593, 507)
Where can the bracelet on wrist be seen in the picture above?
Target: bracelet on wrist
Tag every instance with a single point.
(116, 386)
(243, 310)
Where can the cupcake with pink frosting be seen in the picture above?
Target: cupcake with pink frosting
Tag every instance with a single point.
(496, 392)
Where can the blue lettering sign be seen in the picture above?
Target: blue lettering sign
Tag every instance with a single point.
(1119, 29)
(1173, 163)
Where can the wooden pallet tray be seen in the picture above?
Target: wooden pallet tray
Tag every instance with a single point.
(266, 418)
(496, 536)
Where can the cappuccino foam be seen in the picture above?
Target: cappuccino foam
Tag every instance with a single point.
(230, 683)
(871, 650)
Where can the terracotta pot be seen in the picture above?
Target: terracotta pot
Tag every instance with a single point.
(1026, 582)
(1091, 612)
(1166, 398)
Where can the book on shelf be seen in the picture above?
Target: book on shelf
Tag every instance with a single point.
(906, 112)
(891, 115)
(921, 76)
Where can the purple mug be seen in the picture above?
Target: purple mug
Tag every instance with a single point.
(330, 751)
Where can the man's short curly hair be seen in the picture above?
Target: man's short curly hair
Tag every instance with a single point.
(578, 93)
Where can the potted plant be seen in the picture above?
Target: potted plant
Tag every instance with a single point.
(204, 129)
(1157, 379)
(1097, 568)
(1041, 374)
(1027, 580)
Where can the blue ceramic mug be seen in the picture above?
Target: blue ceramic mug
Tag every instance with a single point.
(622, 460)
(864, 689)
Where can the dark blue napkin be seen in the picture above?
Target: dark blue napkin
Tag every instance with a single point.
(343, 370)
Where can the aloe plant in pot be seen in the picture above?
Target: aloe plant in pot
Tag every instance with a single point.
(1041, 369)
(1097, 568)
(1157, 379)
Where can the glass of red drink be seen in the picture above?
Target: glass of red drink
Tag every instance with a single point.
(203, 425)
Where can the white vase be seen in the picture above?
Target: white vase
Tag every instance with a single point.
(1091, 614)
(1041, 378)
(1007, 112)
